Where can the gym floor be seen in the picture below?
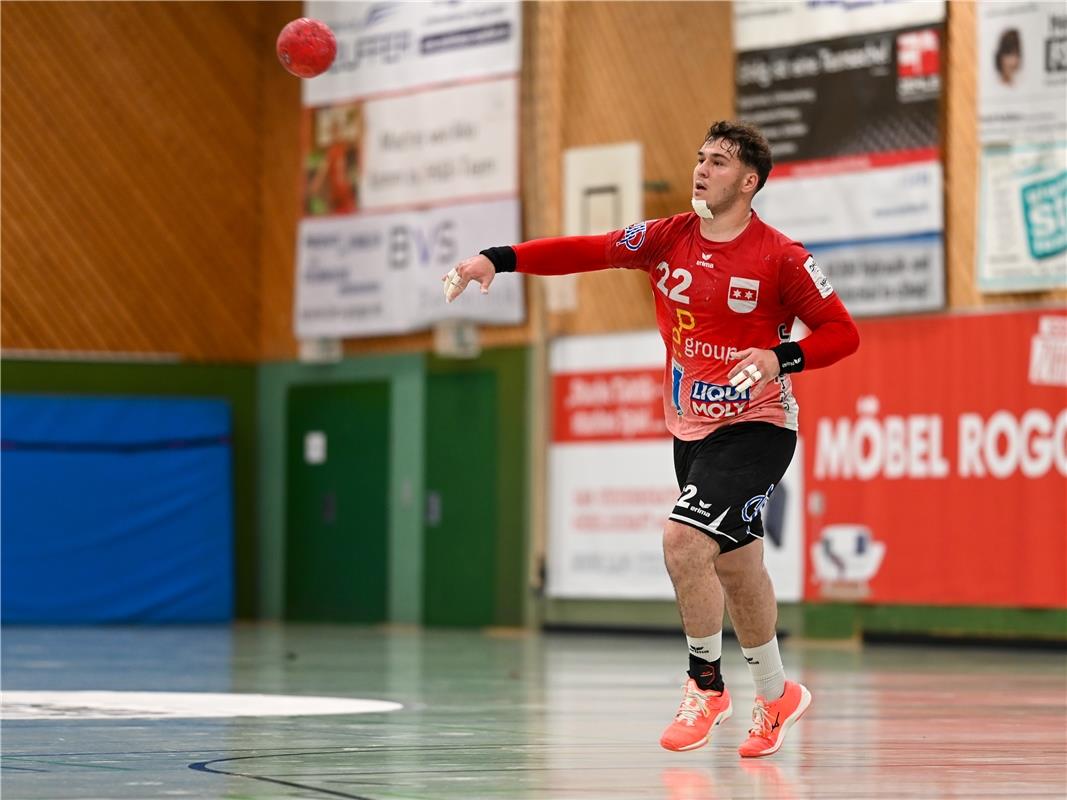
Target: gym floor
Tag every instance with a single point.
(509, 714)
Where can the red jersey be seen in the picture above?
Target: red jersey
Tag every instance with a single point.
(714, 299)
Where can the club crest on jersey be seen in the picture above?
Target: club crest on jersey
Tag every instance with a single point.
(633, 237)
(743, 294)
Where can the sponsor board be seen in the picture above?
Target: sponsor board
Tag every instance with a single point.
(939, 478)
(386, 47)
(762, 24)
(866, 202)
(892, 275)
(447, 145)
(373, 274)
(849, 95)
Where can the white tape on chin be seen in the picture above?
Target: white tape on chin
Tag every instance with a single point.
(701, 209)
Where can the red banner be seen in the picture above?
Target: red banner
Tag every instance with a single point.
(608, 405)
(936, 462)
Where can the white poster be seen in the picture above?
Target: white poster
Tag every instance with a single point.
(451, 144)
(1022, 70)
(761, 24)
(1022, 217)
(869, 201)
(373, 274)
(899, 275)
(383, 47)
(612, 481)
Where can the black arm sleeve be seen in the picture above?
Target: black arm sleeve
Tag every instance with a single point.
(503, 258)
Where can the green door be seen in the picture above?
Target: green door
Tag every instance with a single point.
(337, 490)
(461, 529)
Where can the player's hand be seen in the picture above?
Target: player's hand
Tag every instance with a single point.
(478, 269)
(754, 370)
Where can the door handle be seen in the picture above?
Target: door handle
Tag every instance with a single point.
(433, 509)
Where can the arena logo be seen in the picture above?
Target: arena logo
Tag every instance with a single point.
(29, 705)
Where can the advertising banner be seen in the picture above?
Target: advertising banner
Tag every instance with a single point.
(411, 163)
(384, 47)
(1022, 71)
(1022, 224)
(381, 273)
(936, 465)
(775, 23)
(849, 100)
(611, 476)
(441, 146)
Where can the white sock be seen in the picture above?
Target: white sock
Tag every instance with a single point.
(708, 648)
(765, 664)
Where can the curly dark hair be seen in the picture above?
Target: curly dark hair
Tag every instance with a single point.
(752, 147)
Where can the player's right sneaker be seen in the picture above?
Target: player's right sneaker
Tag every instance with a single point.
(699, 712)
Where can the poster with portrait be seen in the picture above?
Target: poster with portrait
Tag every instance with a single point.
(1022, 71)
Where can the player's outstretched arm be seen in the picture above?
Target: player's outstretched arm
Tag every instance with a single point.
(562, 255)
(477, 269)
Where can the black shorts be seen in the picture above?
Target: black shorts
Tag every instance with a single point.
(727, 477)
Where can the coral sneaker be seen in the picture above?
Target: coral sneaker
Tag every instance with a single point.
(770, 721)
(699, 712)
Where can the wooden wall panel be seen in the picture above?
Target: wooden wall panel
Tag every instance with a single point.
(656, 73)
(280, 190)
(130, 167)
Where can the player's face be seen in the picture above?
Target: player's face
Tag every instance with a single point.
(719, 175)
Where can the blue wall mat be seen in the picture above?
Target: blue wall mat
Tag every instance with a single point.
(115, 510)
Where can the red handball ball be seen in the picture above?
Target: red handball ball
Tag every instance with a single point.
(306, 47)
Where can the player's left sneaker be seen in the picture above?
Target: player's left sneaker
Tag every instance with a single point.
(771, 720)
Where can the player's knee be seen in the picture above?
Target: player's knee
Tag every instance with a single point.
(737, 569)
(686, 550)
